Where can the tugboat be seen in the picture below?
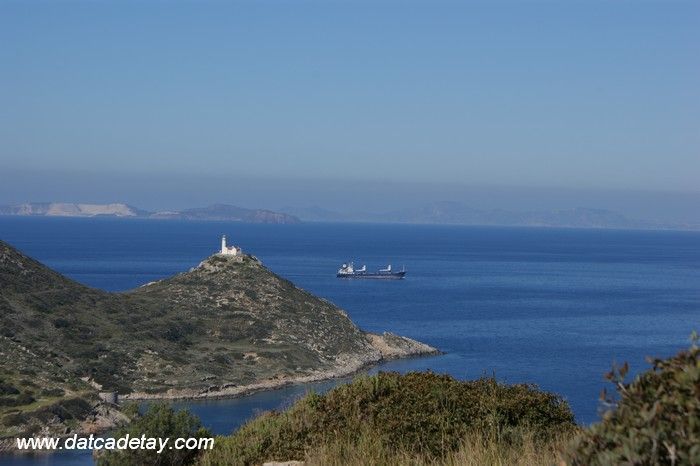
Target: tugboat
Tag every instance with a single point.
(348, 270)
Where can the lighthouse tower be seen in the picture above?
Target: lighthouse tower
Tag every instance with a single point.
(228, 250)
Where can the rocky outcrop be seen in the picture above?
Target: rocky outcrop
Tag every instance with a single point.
(391, 346)
(285, 334)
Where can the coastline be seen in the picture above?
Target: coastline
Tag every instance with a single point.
(387, 347)
(335, 348)
(105, 417)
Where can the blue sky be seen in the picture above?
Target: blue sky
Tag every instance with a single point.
(562, 94)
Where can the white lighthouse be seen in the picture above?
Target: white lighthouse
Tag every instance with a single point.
(228, 250)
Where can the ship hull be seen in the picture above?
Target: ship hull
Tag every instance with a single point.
(374, 276)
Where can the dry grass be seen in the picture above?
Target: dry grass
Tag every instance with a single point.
(473, 451)
(415, 418)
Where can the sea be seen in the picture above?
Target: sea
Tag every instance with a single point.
(551, 307)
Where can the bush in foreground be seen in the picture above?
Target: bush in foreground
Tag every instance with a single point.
(656, 419)
(391, 418)
(429, 419)
(159, 421)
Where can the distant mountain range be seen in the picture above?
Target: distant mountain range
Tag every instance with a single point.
(455, 213)
(445, 213)
(229, 213)
(212, 212)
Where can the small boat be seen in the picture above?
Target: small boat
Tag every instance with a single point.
(348, 270)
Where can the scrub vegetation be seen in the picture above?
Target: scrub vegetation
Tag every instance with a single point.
(656, 419)
(226, 323)
(230, 322)
(429, 419)
(225, 327)
(160, 422)
(416, 418)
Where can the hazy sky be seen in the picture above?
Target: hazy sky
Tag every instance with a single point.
(576, 94)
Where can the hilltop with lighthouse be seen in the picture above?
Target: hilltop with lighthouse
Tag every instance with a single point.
(224, 328)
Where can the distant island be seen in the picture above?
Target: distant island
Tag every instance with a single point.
(227, 327)
(457, 213)
(436, 213)
(223, 212)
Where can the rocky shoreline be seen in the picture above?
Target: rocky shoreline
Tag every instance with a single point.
(105, 416)
(387, 346)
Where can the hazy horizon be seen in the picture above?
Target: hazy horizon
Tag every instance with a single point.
(170, 192)
(353, 105)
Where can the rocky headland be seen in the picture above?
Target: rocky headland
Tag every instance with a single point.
(227, 327)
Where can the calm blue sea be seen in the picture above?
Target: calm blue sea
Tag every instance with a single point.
(555, 307)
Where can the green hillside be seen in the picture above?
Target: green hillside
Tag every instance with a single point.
(224, 327)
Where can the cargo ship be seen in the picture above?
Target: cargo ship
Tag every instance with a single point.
(348, 271)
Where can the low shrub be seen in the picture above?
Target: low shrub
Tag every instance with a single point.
(424, 415)
(61, 322)
(62, 410)
(7, 389)
(13, 419)
(160, 421)
(656, 419)
(28, 383)
(22, 399)
(52, 392)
